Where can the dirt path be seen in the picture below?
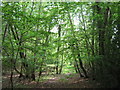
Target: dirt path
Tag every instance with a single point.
(70, 81)
(55, 81)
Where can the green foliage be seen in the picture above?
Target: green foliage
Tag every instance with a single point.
(58, 33)
(68, 69)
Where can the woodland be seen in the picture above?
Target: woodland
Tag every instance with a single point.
(60, 44)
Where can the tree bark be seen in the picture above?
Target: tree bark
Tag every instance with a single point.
(58, 49)
(81, 65)
(77, 48)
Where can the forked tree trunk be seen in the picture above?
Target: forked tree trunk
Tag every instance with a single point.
(81, 66)
(78, 69)
(77, 48)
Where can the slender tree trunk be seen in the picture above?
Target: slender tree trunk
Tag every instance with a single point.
(101, 31)
(57, 62)
(11, 78)
(11, 61)
(40, 71)
(22, 54)
(33, 75)
(77, 48)
(5, 31)
(60, 70)
(78, 69)
(75, 67)
(81, 65)
(93, 43)
(76, 63)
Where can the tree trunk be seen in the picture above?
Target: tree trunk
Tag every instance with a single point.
(75, 68)
(77, 48)
(33, 75)
(101, 31)
(61, 66)
(76, 63)
(81, 65)
(78, 69)
(11, 76)
(58, 49)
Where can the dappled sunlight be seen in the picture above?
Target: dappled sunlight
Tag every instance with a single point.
(61, 81)
(60, 44)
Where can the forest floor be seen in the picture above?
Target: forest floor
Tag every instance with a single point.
(52, 81)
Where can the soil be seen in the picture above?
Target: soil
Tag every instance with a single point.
(53, 81)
